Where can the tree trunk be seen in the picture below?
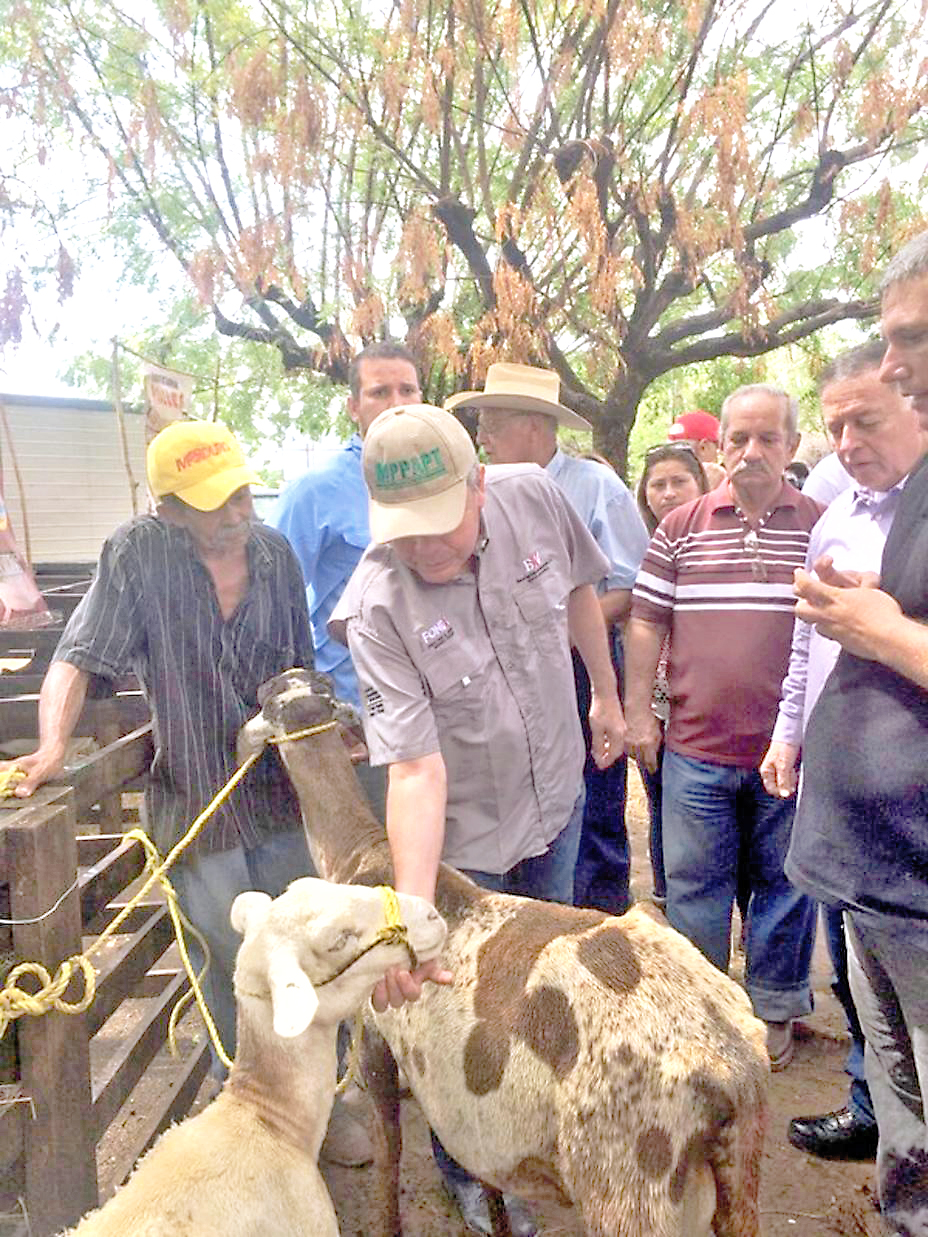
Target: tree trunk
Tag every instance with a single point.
(613, 418)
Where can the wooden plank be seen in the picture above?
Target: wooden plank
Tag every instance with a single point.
(126, 961)
(13, 1118)
(39, 858)
(135, 1054)
(15, 683)
(116, 765)
(192, 1075)
(100, 884)
(19, 718)
(93, 847)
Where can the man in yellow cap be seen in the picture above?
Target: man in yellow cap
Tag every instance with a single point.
(203, 604)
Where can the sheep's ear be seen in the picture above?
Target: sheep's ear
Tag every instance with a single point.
(293, 997)
(248, 910)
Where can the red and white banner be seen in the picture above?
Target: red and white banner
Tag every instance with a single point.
(168, 397)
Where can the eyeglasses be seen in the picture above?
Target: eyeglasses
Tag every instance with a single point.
(664, 450)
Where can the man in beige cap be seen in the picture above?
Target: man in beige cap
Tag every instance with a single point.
(519, 411)
(460, 618)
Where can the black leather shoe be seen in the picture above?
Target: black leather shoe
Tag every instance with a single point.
(471, 1199)
(834, 1136)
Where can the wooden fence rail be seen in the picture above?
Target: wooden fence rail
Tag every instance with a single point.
(54, 1104)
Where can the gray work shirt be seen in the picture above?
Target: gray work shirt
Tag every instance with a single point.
(480, 669)
(152, 609)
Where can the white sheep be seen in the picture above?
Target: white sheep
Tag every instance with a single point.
(246, 1165)
(596, 1061)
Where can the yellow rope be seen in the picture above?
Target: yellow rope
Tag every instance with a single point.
(16, 1001)
(394, 931)
(9, 780)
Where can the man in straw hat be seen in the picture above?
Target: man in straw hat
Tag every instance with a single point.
(519, 412)
(460, 618)
(203, 604)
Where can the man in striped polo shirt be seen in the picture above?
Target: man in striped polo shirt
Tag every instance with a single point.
(718, 576)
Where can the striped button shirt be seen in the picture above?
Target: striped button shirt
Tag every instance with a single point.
(726, 596)
(152, 609)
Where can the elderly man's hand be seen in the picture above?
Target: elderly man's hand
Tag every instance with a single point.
(607, 730)
(399, 986)
(857, 617)
(39, 767)
(778, 770)
(643, 739)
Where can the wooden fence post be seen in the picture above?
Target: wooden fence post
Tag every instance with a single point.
(39, 852)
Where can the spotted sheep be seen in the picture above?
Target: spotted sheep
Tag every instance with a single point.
(594, 1062)
(246, 1166)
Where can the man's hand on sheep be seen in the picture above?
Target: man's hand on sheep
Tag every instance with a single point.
(399, 986)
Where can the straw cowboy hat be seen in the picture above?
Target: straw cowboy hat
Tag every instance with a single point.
(520, 388)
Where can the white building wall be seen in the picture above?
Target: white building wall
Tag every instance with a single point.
(74, 478)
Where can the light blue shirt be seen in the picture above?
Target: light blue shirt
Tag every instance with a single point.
(323, 515)
(853, 531)
(606, 507)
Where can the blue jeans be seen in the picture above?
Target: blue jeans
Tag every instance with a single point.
(717, 818)
(206, 886)
(604, 861)
(888, 962)
(859, 1101)
(549, 877)
(654, 788)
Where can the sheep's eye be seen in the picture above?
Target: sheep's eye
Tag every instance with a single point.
(342, 940)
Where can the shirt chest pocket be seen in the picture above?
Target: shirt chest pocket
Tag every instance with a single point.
(456, 678)
(541, 606)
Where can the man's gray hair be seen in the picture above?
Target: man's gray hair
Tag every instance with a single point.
(473, 477)
(911, 262)
(791, 405)
(862, 359)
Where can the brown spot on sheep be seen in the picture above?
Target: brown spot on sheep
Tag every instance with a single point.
(485, 1055)
(539, 1180)
(547, 1024)
(654, 1152)
(502, 1006)
(505, 960)
(609, 956)
(418, 1060)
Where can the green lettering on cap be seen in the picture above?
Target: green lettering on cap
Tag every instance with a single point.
(411, 470)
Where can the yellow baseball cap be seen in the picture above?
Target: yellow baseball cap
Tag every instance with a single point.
(198, 461)
(416, 462)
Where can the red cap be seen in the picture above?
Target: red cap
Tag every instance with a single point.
(694, 427)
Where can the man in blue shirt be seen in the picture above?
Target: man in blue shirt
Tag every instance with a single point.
(323, 514)
(519, 412)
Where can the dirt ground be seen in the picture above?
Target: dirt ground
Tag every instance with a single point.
(801, 1196)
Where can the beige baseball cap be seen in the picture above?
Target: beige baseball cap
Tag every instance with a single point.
(416, 461)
